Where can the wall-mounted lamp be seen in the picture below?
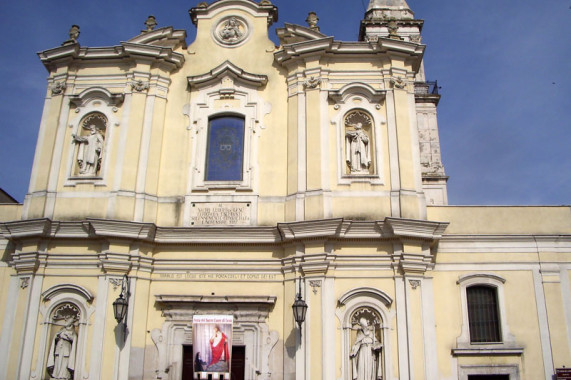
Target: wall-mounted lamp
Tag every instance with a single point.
(299, 309)
(122, 303)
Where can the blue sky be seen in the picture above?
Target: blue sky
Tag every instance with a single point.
(504, 67)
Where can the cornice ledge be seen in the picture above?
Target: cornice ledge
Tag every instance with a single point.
(115, 263)
(121, 229)
(179, 299)
(316, 264)
(310, 229)
(26, 228)
(125, 50)
(388, 44)
(488, 351)
(225, 68)
(413, 228)
(58, 53)
(26, 262)
(157, 52)
(221, 235)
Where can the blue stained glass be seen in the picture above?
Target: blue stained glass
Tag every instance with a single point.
(225, 151)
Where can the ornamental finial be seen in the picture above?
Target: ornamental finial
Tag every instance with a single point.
(74, 33)
(312, 20)
(151, 23)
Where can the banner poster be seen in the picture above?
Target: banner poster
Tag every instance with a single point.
(212, 345)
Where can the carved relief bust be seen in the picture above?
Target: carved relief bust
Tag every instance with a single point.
(231, 31)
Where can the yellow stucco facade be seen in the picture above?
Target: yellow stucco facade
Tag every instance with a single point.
(228, 176)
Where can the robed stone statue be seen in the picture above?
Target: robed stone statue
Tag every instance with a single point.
(365, 354)
(61, 358)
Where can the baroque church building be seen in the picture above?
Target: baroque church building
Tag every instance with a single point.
(185, 200)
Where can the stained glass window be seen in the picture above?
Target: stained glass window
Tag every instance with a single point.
(225, 151)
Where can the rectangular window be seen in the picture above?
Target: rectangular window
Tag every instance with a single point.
(225, 150)
(483, 315)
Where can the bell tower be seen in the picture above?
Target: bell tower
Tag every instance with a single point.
(394, 19)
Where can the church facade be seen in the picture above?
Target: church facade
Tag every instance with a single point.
(205, 189)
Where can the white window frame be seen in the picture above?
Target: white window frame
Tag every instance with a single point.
(464, 345)
(465, 370)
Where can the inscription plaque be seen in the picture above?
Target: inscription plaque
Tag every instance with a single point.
(563, 373)
(220, 214)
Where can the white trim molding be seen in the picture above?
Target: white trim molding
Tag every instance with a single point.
(493, 369)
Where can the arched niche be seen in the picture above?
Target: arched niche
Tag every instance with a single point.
(65, 313)
(94, 114)
(374, 306)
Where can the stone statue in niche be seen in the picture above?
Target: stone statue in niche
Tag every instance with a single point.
(365, 352)
(61, 357)
(357, 143)
(90, 146)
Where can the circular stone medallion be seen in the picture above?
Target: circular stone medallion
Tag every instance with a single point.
(231, 31)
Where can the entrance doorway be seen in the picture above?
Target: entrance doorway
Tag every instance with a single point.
(237, 368)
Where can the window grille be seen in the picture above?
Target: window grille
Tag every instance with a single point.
(483, 316)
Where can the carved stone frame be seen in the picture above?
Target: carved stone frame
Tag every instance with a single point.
(90, 101)
(359, 97)
(250, 330)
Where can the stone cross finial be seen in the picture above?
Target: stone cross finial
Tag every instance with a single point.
(74, 33)
(151, 23)
(312, 20)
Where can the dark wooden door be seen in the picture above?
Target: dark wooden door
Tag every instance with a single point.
(238, 363)
(187, 363)
(237, 369)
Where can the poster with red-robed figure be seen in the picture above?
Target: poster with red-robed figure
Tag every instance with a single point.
(212, 345)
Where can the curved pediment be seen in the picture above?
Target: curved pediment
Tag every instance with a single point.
(263, 8)
(367, 292)
(292, 33)
(165, 37)
(92, 93)
(357, 88)
(226, 69)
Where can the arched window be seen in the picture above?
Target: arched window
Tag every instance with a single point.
(483, 314)
(225, 149)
